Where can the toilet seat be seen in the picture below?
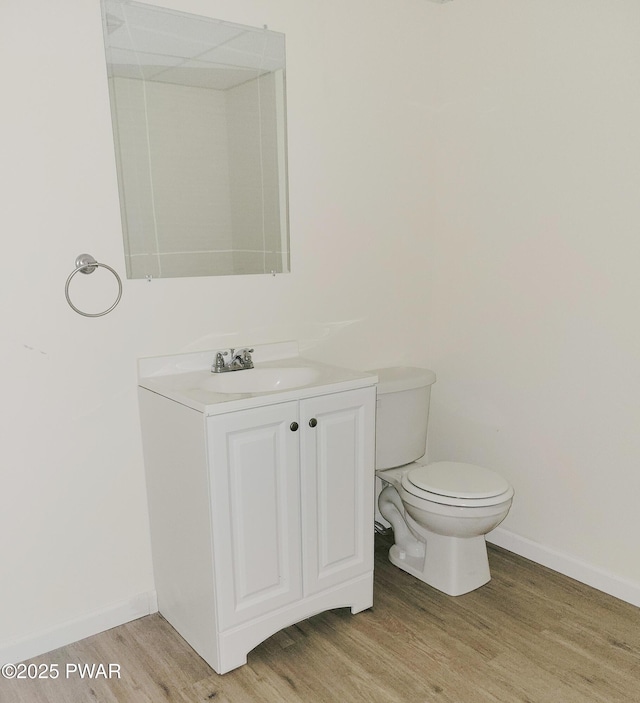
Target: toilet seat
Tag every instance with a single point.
(457, 484)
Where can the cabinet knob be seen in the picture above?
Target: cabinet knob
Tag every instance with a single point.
(293, 426)
(313, 422)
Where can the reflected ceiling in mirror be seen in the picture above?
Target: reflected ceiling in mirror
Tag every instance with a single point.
(199, 122)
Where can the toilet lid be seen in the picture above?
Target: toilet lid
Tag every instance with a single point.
(457, 480)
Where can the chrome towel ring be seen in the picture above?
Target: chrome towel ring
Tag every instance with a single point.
(85, 263)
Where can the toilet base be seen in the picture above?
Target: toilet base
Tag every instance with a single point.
(453, 565)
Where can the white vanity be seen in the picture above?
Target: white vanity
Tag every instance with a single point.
(261, 488)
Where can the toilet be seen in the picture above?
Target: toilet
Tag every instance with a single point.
(440, 512)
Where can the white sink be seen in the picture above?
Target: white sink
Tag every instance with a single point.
(260, 380)
(280, 375)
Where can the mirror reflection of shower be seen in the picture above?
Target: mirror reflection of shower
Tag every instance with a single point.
(199, 121)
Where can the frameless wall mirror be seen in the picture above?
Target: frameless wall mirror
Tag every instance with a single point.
(199, 124)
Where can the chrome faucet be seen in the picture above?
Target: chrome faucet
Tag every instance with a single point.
(232, 360)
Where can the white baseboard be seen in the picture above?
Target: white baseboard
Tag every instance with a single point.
(74, 630)
(146, 603)
(567, 565)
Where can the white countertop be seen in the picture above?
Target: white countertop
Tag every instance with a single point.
(182, 378)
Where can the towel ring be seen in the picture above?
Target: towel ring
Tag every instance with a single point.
(85, 263)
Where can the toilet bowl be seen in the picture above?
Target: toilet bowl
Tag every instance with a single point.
(440, 538)
(439, 512)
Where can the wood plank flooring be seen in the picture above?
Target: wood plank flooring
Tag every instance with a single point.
(530, 636)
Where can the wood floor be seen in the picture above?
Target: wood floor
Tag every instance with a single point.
(530, 635)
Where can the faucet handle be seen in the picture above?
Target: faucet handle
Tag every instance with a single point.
(218, 364)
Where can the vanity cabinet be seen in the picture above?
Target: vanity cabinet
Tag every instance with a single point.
(259, 517)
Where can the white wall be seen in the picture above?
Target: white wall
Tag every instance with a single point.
(484, 224)
(73, 522)
(534, 325)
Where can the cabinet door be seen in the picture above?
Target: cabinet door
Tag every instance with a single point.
(254, 465)
(337, 475)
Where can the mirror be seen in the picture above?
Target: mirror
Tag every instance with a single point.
(199, 124)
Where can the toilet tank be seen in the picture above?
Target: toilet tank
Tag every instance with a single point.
(402, 414)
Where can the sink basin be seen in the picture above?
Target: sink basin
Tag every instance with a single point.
(280, 374)
(260, 380)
